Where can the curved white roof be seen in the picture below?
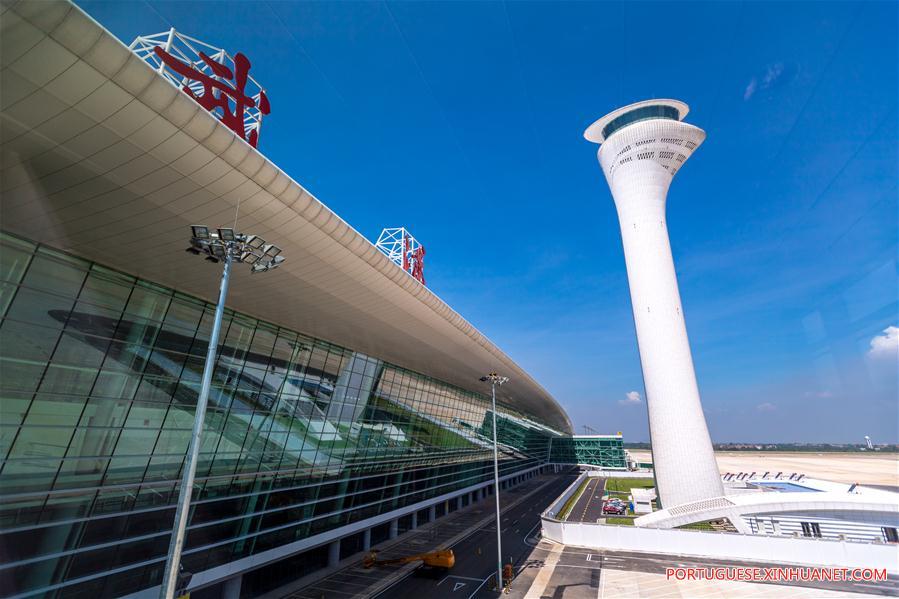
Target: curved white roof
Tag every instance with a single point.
(734, 507)
(103, 157)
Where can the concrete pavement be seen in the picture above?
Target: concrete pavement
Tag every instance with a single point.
(578, 572)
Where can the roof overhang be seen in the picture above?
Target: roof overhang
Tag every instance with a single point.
(596, 131)
(735, 507)
(104, 158)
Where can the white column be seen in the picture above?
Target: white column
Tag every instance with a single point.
(231, 588)
(685, 466)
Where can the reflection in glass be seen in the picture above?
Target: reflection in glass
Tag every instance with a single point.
(99, 376)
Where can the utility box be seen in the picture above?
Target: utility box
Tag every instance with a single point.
(643, 499)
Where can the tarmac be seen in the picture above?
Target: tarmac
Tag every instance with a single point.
(588, 507)
(866, 468)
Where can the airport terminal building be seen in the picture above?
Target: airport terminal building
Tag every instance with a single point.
(346, 404)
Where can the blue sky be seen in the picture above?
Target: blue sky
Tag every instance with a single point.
(462, 121)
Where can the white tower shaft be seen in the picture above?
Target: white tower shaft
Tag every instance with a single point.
(639, 161)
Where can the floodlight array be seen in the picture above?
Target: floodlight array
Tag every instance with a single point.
(495, 379)
(225, 242)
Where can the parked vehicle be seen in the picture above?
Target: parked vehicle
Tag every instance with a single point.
(614, 508)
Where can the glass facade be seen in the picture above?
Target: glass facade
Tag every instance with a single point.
(605, 451)
(99, 374)
(658, 111)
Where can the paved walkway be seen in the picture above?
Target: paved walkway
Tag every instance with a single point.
(554, 571)
(621, 584)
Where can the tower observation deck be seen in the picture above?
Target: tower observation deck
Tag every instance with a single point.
(643, 145)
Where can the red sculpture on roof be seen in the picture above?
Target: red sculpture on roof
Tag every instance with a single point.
(418, 264)
(219, 91)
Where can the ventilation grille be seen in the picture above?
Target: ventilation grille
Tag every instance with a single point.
(702, 505)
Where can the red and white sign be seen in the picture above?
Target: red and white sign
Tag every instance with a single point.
(216, 81)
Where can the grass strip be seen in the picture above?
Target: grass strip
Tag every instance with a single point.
(623, 485)
(697, 526)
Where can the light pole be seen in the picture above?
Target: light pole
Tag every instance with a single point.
(495, 380)
(225, 246)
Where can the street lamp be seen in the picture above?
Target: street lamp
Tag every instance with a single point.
(223, 245)
(495, 380)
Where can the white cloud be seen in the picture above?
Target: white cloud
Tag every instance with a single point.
(632, 399)
(750, 89)
(773, 73)
(885, 345)
(766, 407)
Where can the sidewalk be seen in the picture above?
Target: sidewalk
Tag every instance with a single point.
(349, 580)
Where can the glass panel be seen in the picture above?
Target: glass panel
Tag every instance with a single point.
(55, 410)
(15, 254)
(23, 342)
(20, 375)
(68, 380)
(56, 273)
(106, 289)
(641, 114)
(7, 292)
(74, 349)
(115, 385)
(148, 302)
(40, 308)
(180, 325)
(348, 435)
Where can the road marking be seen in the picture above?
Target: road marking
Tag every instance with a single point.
(538, 492)
(458, 586)
(462, 577)
(545, 573)
(479, 586)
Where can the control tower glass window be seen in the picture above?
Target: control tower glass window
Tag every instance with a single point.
(657, 111)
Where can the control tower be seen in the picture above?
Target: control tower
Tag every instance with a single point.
(642, 147)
